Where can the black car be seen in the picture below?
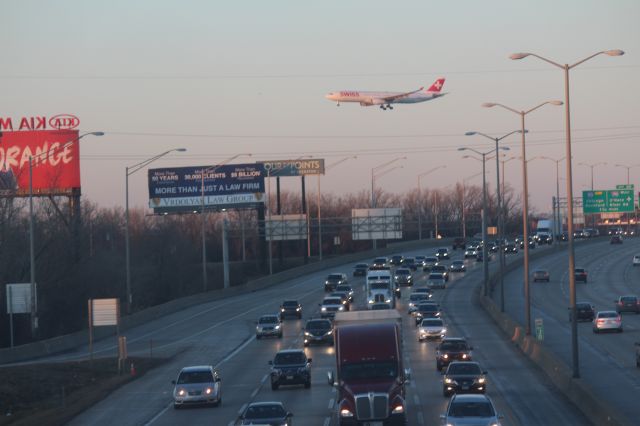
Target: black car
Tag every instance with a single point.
(545, 239)
(427, 310)
(442, 253)
(580, 274)
(318, 331)
(615, 239)
(459, 242)
(344, 296)
(360, 269)
(637, 345)
(379, 263)
(452, 349)
(290, 308)
(290, 367)
(510, 248)
(396, 259)
(410, 262)
(440, 269)
(585, 311)
(403, 277)
(333, 280)
(265, 413)
(464, 377)
(346, 288)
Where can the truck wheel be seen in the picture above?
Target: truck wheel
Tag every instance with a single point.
(274, 386)
(438, 366)
(307, 385)
(257, 337)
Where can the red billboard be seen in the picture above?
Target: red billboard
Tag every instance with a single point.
(55, 158)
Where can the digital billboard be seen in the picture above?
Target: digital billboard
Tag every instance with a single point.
(180, 189)
(55, 162)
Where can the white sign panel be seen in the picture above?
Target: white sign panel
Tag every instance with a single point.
(286, 227)
(376, 224)
(19, 298)
(104, 312)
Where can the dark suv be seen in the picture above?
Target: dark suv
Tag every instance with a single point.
(318, 331)
(458, 242)
(427, 310)
(452, 349)
(580, 274)
(290, 308)
(628, 304)
(333, 280)
(290, 367)
(464, 377)
(585, 311)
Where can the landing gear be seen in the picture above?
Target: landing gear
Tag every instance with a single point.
(385, 107)
(337, 103)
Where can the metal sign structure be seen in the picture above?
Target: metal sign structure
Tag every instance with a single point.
(608, 201)
(376, 224)
(279, 168)
(181, 189)
(286, 227)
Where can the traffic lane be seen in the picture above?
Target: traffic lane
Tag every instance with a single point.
(609, 373)
(519, 391)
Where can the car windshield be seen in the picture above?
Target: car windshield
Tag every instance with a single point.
(290, 304)
(464, 368)
(343, 288)
(579, 270)
(379, 286)
(471, 409)
(334, 277)
(431, 259)
(432, 322)
(414, 297)
(453, 346)
(332, 301)
(187, 377)
(289, 358)
(583, 306)
(362, 265)
(629, 299)
(369, 370)
(607, 315)
(264, 411)
(422, 290)
(438, 268)
(435, 276)
(268, 320)
(380, 260)
(402, 272)
(380, 306)
(428, 308)
(458, 262)
(318, 325)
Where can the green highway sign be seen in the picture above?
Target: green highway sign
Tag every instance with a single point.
(608, 201)
(630, 187)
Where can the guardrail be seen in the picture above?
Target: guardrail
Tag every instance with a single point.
(577, 390)
(72, 341)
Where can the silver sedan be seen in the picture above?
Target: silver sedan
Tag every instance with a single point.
(607, 320)
(431, 328)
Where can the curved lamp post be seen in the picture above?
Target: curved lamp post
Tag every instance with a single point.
(525, 204)
(128, 172)
(572, 282)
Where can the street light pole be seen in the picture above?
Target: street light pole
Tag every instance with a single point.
(128, 172)
(210, 169)
(32, 252)
(485, 260)
(499, 210)
(420, 176)
(572, 282)
(525, 205)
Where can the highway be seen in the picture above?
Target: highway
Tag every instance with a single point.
(606, 360)
(221, 333)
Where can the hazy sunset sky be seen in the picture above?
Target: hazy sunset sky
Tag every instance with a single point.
(226, 77)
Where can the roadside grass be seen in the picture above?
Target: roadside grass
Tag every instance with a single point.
(52, 394)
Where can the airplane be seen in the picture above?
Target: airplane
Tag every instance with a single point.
(385, 99)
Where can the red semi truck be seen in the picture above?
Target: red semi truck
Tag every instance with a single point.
(370, 377)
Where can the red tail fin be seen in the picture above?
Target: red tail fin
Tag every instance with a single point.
(437, 86)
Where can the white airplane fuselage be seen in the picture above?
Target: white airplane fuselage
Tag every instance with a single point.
(378, 98)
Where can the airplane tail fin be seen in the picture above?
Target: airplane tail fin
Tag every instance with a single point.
(437, 86)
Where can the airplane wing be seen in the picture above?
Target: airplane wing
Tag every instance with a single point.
(401, 95)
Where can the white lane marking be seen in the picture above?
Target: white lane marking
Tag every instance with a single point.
(331, 402)
(416, 400)
(264, 379)
(327, 420)
(157, 416)
(231, 423)
(244, 407)
(255, 392)
(420, 418)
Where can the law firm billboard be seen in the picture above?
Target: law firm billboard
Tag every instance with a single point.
(55, 162)
(181, 189)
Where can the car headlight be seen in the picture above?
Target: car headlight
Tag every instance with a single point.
(398, 409)
(182, 392)
(388, 301)
(323, 309)
(464, 356)
(306, 333)
(341, 308)
(326, 282)
(328, 333)
(448, 380)
(208, 391)
(258, 328)
(444, 330)
(481, 380)
(345, 412)
(297, 309)
(371, 301)
(277, 327)
(281, 309)
(445, 356)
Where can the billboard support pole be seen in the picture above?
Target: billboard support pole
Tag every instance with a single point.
(11, 314)
(304, 212)
(32, 255)
(279, 212)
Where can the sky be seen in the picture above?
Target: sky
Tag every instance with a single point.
(222, 78)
